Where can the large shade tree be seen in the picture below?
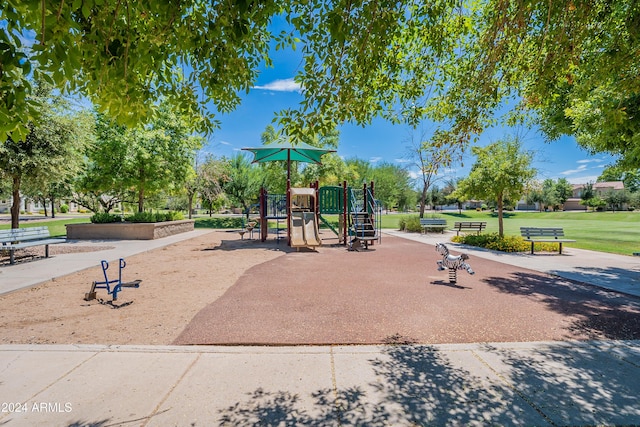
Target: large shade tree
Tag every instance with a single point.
(573, 63)
(133, 164)
(361, 60)
(52, 150)
(500, 172)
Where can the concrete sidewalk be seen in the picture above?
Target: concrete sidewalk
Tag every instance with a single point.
(530, 384)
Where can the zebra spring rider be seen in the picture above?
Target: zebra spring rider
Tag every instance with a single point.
(453, 263)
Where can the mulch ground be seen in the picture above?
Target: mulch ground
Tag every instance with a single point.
(393, 293)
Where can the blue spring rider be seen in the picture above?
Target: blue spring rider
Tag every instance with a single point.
(106, 284)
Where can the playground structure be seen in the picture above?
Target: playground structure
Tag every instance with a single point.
(302, 209)
(119, 284)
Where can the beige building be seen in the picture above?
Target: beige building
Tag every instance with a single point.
(599, 188)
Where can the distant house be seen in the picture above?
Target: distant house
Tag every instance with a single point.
(599, 188)
(30, 206)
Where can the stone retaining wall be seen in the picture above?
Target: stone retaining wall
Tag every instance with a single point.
(128, 230)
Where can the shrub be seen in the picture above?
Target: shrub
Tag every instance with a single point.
(64, 208)
(494, 241)
(505, 244)
(412, 224)
(105, 218)
(154, 216)
(219, 222)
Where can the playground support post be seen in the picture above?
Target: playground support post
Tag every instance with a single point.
(289, 219)
(345, 213)
(264, 222)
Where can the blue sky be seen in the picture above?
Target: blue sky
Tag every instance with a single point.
(382, 141)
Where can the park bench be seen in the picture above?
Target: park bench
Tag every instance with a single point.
(476, 226)
(544, 234)
(20, 238)
(434, 223)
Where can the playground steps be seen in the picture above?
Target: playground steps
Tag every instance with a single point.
(362, 226)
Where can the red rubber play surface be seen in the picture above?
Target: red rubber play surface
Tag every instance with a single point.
(393, 293)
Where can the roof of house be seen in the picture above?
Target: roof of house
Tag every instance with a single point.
(612, 185)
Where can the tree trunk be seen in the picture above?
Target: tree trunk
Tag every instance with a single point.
(43, 201)
(190, 204)
(141, 200)
(500, 222)
(15, 205)
(53, 207)
(423, 199)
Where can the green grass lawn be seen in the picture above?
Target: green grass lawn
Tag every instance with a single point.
(56, 226)
(614, 232)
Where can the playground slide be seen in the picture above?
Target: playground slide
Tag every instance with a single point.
(297, 229)
(311, 236)
(304, 230)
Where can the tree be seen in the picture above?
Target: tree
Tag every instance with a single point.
(51, 152)
(436, 197)
(630, 177)
(360, 60)
(616, 199)
(213, 174)
(549, 194)
(452, 195)
(587, 194)
(500, 171)
(244, 182)
(573, 63)
(392, 185)
(564, 190)
(430, 156)
(134, 164)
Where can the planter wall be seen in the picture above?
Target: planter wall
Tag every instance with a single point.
(128, 230)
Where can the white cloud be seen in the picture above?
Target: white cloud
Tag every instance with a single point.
(286, 85)
(225, 143)
(375, 159)
(581, 168)
(402, 160)
(590, 161)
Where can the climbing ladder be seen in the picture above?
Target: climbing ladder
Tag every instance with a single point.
(365, 218)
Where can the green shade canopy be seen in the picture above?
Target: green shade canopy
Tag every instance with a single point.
(288, 152)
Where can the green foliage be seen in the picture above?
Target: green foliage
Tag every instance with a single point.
(64, 208)
(500, 172)
(50, 153)
(571, 63)
(410, 224)
(219, 222)
(392, 186)
(507, 243)
(104, 218)
(136, 164)
(494, 241)
(243, 186)
(154, 216)
(127, 58)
